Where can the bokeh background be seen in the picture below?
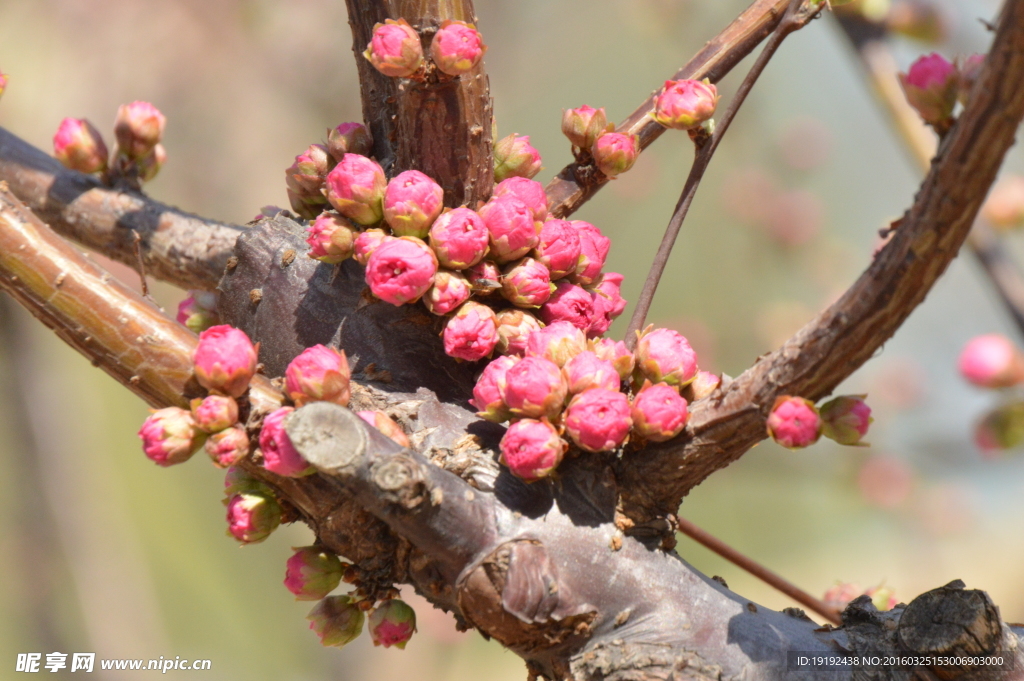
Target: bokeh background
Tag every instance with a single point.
(101, 551)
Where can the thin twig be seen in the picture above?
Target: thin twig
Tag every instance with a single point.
(792, 21)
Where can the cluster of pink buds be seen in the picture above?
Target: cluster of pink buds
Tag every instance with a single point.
(138, 129)
(795, 423)
(396, 49)
(589, 131)
(933, 85)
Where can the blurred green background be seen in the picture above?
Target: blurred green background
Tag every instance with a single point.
(101, 551)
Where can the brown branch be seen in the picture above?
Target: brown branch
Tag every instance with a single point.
(184, 249)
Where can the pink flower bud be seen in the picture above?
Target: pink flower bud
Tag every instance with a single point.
(392, 623)
(386, 425)
(311, 573)
(526, 283)
(569, 303)
(558, 342)
(511, 227)
(489, 391)
(337, 620)
(457, 48)
(702, 385)
(594, 248)
(969, 72)
(450, 290)
(845, 419)
(401, 270)
(349, 138)
(3, 83)
(367, 242)
(225, 360)
(598, 420)
(472, 333)
(355, 187)
(664, 355)
(528, 191)
(307, 173)
(616, 353)
(794, 422)
(685, 104)
(306, 204)
(395, 49)
(150, 164)
(198, 311)
(1000, 429)
(1004, 207)
(583, 125)
(992, 361)
(319, 373)
(658, 412)
(331, 238)
(138, 128)
(514, 157)
(170, 436)
(558, 248)
(841, 594)
(79, 146)
(279, 454)
(228, 447)
(514, 327)
(535, 387)
(459, 238)
(484, 277)
(608, 303)
(532, 449)
(412, 201)
(931, 87)
(882, 597)
(252, 516)
(615, 152)
(586, 370)
(214, 413)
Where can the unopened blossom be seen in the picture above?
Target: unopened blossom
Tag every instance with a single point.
(80, 146)
(528, 191)
(511, 227)
(583, 125)
(514, 157)
(228, 447)
(489, 391)
(846, 419)
(1001, 428)
(685, 104)
(224, 360)
(514, 328)
(992, 361)
(252, 516)
(395, 49)
(305, 204)
(526, 283)
(664, 355)
(559, 342)
(969, 71)
(930, 85)
(460, 238)
(794, 422)
(331, 238)
(214, 413)
(569, 303)
(4, 78)
(448, 292)
(558, 248)
(170, 436)
(412, 201)
(319, 373)
(658, 412)
(472, 333)
(366, 243)
(534, 388)
(392, 623)
(279, 454)
(594, 248)
(616, 353)
(139, 126)
(337, 620)
(532, 449)
(457, 47)
(150, 164)
(1004, 207)
(311, 573)
(608, 303)
(309, 169)
(615, 152)
(198, 311)
(401, 270)
(840, 595)
(485, 277)
(355, 187)
(702, 385)
(586, 370)
(598, 420)
(349, 138)
(386, 425)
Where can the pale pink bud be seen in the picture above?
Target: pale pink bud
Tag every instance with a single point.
(511, 227)
(882, 597)
(349, 138)
(616, 353)
(608, 303)
(514, 157)
(664, 355)
(3, 83)
(392, 623)
(1004, 207)
(337, 620)
(558, 248)
(355, 187)
(472, 333)
(79, 146)
(1000, 429)
(450, 289)
(685, 104)
(214, 413)
(311, 573)
(514, 328)
(489, 391)
(457, 47)
(615, 152)
(528, 191)
(198, 311)
(586, 370)
(702, 385)
(558, 342)
(170, 436)
(569, 303)
(594, 248)
(252, 516)
(583, 125)
(526, 283)
(598, 420)
(845, 419)
(532, 449)
(931, 87)
(307, 173)
(319, 373)
(386, 425)
(224, 360)
(401, 270)
(658, 412)
(841, 594)
(367, 242)
(138, 128)
(535, 387)
(794, 422)
(412, 201)
(150, 164)
(395, 49)
(279, 454)
(969, 72)
(228, 447)
(331, 238)
(992, 361)
(459, 238)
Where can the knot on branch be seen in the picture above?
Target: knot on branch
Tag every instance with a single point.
(400, 481)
